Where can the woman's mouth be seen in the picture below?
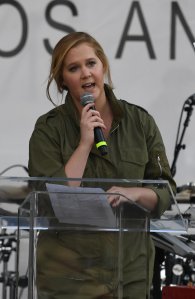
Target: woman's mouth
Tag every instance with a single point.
(88, 86)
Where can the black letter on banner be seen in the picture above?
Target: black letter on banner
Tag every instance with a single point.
(176, 11)
(55, 24)
(24, 29)
(145, 37)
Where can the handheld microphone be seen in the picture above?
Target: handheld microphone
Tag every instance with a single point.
(101, 144)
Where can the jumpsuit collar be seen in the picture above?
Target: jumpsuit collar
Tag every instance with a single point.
(115, 104)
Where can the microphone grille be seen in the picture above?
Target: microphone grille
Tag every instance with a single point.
(87, 98)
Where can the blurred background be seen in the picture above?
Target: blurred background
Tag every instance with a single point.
(149, 45)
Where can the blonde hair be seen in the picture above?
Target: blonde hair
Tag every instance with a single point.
(60, 51)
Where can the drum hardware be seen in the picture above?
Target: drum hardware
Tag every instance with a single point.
(9, 278)
(179, 270)
(172, 253)
(190, 212)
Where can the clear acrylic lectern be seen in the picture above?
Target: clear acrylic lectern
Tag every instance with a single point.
(80, 241)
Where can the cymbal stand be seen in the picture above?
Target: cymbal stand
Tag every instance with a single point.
(7, 278)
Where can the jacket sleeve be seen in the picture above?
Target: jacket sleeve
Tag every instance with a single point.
(45, 158)
(157, 167)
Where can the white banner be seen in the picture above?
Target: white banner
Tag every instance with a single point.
(149, 46)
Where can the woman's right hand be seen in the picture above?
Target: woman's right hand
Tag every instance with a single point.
(90, 119)
(75, 166)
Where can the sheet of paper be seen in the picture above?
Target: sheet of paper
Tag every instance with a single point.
(83, 206)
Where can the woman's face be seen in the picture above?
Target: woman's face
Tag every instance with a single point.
(83, 72)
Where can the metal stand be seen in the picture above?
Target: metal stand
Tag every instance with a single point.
(188, 107)
(7, 278)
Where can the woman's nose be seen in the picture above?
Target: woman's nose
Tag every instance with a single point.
(85, 72)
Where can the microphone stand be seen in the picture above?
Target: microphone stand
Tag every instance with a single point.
(179, 145)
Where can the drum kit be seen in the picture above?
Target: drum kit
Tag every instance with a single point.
(175, 254)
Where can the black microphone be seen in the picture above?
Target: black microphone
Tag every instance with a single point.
(101, 144)
(191, 100)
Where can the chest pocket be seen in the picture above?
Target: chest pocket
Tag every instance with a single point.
(133, 163)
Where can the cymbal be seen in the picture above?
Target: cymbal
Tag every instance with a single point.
(183, 197)
(189, 187)
(186, 193)
(13, 194)
(4, 212)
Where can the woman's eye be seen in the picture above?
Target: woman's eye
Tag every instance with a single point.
(73, 69)
(91, 63)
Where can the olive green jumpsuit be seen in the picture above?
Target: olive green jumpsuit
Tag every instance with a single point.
(135, 149)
